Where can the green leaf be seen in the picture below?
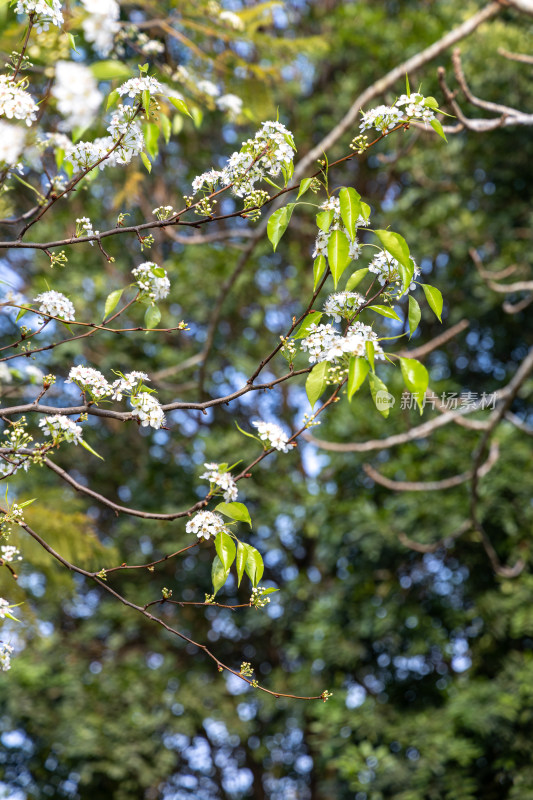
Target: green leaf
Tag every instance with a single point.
(357, 372)
(269, 591)
(434, 298)
(338, 254)
(151, 135)
(181, 105)
(166, 126)
(219, 575)
(416, 378)
(27, 502)
(107, 70)
(385, 311)
(112, 301)
(319, 268)
(146, 100)
(304, 186)
(430, 102)
(254, 565)
(146, 162)
(21, 314)
(90, 449)
(242, 557)
(381, 396)
(437, 127)
(414, 315)
(316, 382)
(113, 99)
(324, 220)
(396, 245)
(250, 435)
(370, 353)
(312, 317)
(159, 272)
(407, 87)
(365, 211)
(350, 204)
(152, 317)
(278, 222)
(237, 511)
(355, 279)
(226, 550)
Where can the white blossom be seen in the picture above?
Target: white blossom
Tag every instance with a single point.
(205, 524)
(44, 13)
(343, 305)
(12, 138)
(56, 305)
(322, 239)
(319, 341)
(217, 477)
(5, 656)
(232, 19)
(136, 86)
(101, 25)
(9, 553)
(61, 429)
(152, 285)
(353, 343)
(15, 102)
(273, 434)
(208, 87)
(91, 380)
(4, 608)
(148, 410)
(387, 269)
(230, 103)
(128, 384)
(76, 91)
(407, 107)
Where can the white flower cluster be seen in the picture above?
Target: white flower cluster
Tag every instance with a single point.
(77, 95)
(407, 107)
(90, 380)
(4, 608)
(84, 227)
(124, 129)
(205, 524)
(163, 212)
(12, 139)
(343, 305)
(325, 343)
(274, 435)
(152, 280)
(136, 86)
(218, 478)
(322, 239)
(231, 104)
(15, 102)
(61, 429)
(44, 12)
(15, 438)
(5, 656)
(128, 384)
(102, 24)
(387, 269)
(148, 410)
(270, 152)
(208, 87)
(9, 553)
(56, 305)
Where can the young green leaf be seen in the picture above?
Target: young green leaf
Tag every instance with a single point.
(304, 186)
(112, 300)
(166, 126)
(113, 99)
(355, 279)
(180, 105)
(324, 220)
(357, 372)
(437, 127)
(21, 313)
(219, 575)
(370, 352)
(416, 378)
(350, 205)
(396, 245)
(254, 566)
(151, 135)
(146, 100)
(250, 435)
(242, 557)
(152, 317)
(89, 448)
(278, 222)
(407, 87)
(316, 382)
(414, 315)
(226, 550)
(236, 511)
(381, 396)
(434, 298)
(365, 211)
(319, 268)
(385, 311)
(338, 254)
(303, 330)
(146, 162)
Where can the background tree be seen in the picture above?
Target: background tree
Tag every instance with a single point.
(411, 606)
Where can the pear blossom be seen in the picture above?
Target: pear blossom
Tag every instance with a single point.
(343, 305)
(44, 13)
(77, 94)
(273, 434)
(220, 479)
(101, 24)
(128, 384)
(9, 553)
(387, 270)
(205, 524)
(136, 86)
(5, 656)
(15, 102)
(12, 139)
(230, 103)
(148, 410)
(90, 380)
(152, 285)
(61, 429)
(56, 304)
